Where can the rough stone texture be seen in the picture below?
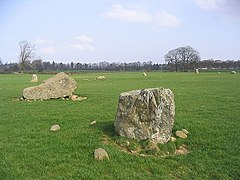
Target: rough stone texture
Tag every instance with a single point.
(58, 86)
(55, 127)
(34, 78)
(181, 134)
(146, 114)
(101, 154)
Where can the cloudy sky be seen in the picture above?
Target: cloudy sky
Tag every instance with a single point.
(120, 31)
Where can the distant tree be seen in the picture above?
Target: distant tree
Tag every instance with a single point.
(186, 57)
(26, 54)
(37, 64)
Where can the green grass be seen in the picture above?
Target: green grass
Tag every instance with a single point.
(207, 105)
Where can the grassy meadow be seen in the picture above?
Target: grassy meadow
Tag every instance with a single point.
(207, 105)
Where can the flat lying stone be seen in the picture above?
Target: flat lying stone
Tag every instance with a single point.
(55, 127)
(56, 87)
(181, 134)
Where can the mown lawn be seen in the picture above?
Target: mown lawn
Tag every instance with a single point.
(206, 104)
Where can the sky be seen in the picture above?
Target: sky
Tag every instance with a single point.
(119, 30)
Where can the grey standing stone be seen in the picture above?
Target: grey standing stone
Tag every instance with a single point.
(196, 71)
(146, 114)
(58, 86)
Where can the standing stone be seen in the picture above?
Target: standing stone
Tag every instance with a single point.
(56, 87)
(34, 78)
(196, 71)
(146, 114)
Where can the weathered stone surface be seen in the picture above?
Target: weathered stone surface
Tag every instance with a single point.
(101, 154)
(181, 134)
(146, 114)
(34, 78)
(55, 127)
(58, 86)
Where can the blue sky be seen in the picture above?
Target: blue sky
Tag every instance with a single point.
(119, 31)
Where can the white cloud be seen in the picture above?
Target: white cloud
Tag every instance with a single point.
(223, 7)
(85, 39)
(81, 47)
(41, 41)
(48, 50)
(117, 11)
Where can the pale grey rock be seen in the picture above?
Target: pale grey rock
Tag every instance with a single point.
(173, 139)
(181, 134)
(185, 131)
(55, 127)
(61, 85)
(101, 77)
(93, 122)
(233, 72)
(101, 154)
(144, 74)
(196, 71)
(74, 97)
(146, 114)
(34, 78)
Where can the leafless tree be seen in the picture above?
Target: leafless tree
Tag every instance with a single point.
(26, 54)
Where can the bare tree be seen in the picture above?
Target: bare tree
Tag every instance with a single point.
(184, 56)
(26, 54)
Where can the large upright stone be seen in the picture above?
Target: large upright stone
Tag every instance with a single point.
(61, 85)
(146, 114)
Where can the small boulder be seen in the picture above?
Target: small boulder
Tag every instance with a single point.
(144, 74)
(55, 127)
(181, 134)
(185, 131)
(74, 97)
(101, 77)
(101, 154)
(173, 139)
(34, 78)
(93, 122)
(233, 72)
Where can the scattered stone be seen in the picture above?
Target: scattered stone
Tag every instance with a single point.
(101, 77)
(81, 98)
(219, 72)
(146, 114)
(144, 74)
(233, 72)
(181, 150)
(56, 87)
(34, 78)
(181, 134)
(196, 71)
(185, 131)
(94, 122)
(74, 97)
(100, 154)
(173, 139)
(55, 127)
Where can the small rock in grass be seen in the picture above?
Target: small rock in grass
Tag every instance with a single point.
(100, 154)
(181, 150)
(185, 131)
(94, 122)
(55, 127)
(144, 74)
(181, 134)
(101, 77)
(233, 72)
(74, 97)
(173, 139)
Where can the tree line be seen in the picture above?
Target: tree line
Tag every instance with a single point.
(179, 59)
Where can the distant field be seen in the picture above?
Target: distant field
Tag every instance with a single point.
(206, 104)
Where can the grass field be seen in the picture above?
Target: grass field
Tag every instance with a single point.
(206, 104)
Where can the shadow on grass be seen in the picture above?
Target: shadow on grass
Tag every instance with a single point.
(107, 128)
